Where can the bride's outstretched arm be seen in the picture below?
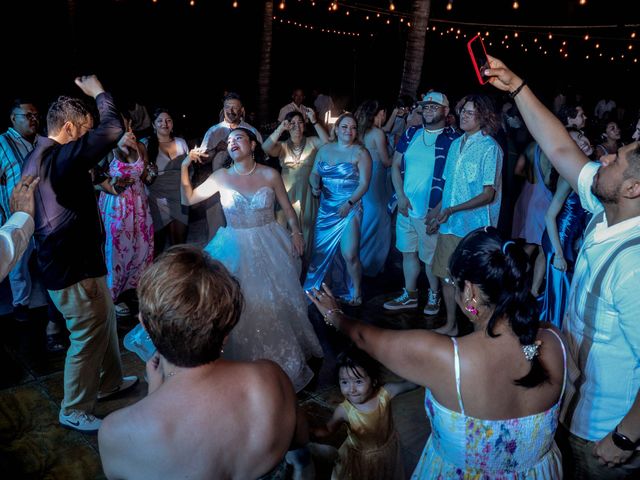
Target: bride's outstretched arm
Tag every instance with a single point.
(189, 195)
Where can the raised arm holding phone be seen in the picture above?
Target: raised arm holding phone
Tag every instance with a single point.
(601, 410)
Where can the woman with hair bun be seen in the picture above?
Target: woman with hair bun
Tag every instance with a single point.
(493, 396)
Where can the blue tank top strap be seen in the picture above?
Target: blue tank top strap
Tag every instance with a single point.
(456, 360)
(564, 361)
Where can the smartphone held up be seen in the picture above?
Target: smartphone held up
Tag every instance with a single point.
(478, 55)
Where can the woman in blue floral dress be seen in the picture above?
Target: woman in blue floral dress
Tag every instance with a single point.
(492, 396)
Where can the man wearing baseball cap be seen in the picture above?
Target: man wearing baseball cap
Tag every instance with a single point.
(417, 169)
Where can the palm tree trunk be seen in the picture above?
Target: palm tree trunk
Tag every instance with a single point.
(414, 53)
(264, 75)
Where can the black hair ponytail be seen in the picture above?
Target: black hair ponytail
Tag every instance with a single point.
(500, 270)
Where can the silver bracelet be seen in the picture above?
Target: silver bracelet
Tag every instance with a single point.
(330, 312)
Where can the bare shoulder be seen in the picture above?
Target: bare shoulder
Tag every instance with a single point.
(377, 133)
(268, 172)
(271, 375)
(267, 391)
(122, 428)
(220, 174)
(362, 153)
(269, 175)
(326, 149)
(551, 350)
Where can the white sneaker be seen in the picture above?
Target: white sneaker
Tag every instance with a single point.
(405, 301)
(433, 303)
(127, 383)
(80, 421)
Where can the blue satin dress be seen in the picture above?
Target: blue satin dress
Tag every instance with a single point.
(571, 221)
(375, 239)
(338, 184)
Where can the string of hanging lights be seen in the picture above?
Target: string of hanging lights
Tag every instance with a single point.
(589, 42)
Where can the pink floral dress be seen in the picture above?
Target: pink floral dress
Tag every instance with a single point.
(129, 229)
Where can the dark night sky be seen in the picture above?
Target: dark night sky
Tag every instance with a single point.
(173, 54)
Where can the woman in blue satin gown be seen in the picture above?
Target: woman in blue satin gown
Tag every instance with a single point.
(341, 174)
(566, 221)
(376, 222)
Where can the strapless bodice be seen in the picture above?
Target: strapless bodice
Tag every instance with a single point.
(248, 212)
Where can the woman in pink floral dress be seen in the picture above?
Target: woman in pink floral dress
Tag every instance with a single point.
(127, 220)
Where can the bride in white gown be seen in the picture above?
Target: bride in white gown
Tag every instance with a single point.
(262, 256)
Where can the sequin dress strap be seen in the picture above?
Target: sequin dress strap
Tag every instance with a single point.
(456, 360)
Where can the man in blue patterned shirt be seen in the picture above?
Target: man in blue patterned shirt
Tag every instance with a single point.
(472, 191)
(15, 144)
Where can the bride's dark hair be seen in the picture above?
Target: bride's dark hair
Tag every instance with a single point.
(258, 154)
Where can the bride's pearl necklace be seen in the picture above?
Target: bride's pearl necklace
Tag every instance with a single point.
(235, 169)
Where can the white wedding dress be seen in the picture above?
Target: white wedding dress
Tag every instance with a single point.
(258, 252)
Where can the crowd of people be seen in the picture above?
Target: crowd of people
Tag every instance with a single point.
(545, 276)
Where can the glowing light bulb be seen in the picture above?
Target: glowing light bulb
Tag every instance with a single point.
(516, 5)
(450, 5)
(281, 6)
(586, 37)
(234, 4)
(392, 7)
(583, 2)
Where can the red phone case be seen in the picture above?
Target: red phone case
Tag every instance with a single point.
(477, 52)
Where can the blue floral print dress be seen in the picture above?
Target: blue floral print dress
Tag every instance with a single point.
(463, 447)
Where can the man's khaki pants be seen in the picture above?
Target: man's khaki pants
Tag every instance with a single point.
(93, 359)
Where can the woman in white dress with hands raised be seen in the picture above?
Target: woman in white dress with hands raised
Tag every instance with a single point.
(261, 255)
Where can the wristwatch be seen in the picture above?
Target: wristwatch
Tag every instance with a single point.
(623, 442)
